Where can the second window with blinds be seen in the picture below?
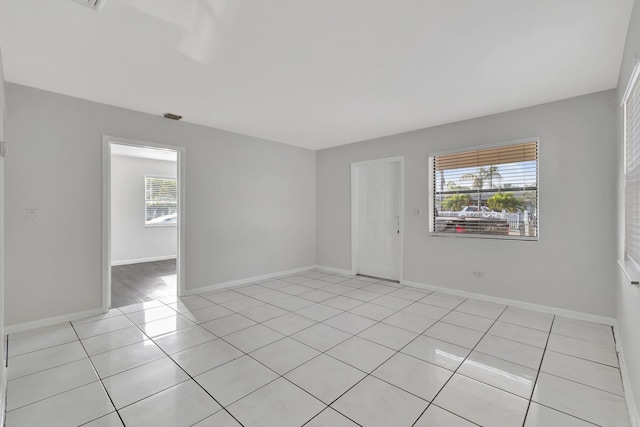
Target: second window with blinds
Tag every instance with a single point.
(488, 191)
(631, 105)
(160, 201)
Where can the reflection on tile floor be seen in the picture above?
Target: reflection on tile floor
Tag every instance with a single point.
(317, 349)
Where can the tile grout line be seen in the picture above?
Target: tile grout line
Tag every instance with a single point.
(290, 336)
(582, 384)
(295, 312)
(217, 337)
(152, 361)
(367, 374)
(251, 357)
(99, 378)
(352, 335)
(535, 382)
(44, 370)
(190, 377)
(461, 363)
(138, 327)
(289, 311)
(318, 355)
(283, 337)
(557, 376)
(567, 414)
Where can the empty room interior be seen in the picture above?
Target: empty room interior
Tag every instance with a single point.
(320, 213)
(143, 236)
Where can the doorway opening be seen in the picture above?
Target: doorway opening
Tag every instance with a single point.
(143, 236)
(377, 229)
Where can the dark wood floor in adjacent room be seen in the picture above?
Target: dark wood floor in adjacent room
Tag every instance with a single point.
(135, 283)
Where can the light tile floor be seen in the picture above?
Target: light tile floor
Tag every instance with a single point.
(316, 349)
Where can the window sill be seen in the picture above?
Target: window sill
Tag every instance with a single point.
(631, 271)
(484, 236)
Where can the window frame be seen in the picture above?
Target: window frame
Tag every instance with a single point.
(630, 266)
(432, 193)
(173, 178)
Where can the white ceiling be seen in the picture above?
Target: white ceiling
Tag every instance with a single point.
(316, 73)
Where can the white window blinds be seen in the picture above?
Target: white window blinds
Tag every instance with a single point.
(161, 200)
(631, 103)
(488, 191)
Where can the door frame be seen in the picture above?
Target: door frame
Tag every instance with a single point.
(355, 190)
(106, 211)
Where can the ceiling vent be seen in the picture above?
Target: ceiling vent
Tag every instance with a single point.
(93, 4)
(172, 116)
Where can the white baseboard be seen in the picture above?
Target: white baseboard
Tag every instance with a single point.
(3, 394)
(140, 260)
(246, 280)
(334, 270)
(634, 415)
(20, 327)
(515, 303)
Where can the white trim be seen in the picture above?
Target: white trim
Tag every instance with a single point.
(484, 236)
(354, 210)
(334, 270)
(3, 395)
(106, 225)
(401, 220)
(634, 415)
(181, 271)
(246, 280)
(106, 212)
(515, 303)
(354, 219)
(141, 260)
(630, 270)
(21, 327)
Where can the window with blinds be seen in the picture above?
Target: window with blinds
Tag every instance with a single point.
(631, 105)
(486, 192)
(160, 201)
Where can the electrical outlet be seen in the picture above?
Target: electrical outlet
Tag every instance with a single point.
(478, 274)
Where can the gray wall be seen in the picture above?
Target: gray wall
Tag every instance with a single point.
(628, 296)
(131, 240)
(250, 203)
(572, 264)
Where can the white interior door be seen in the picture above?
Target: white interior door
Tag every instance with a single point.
(379, 220)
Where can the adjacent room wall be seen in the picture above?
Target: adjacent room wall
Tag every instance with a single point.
(572, 264)
(245, 216)
(131, 240)
(628, 296)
